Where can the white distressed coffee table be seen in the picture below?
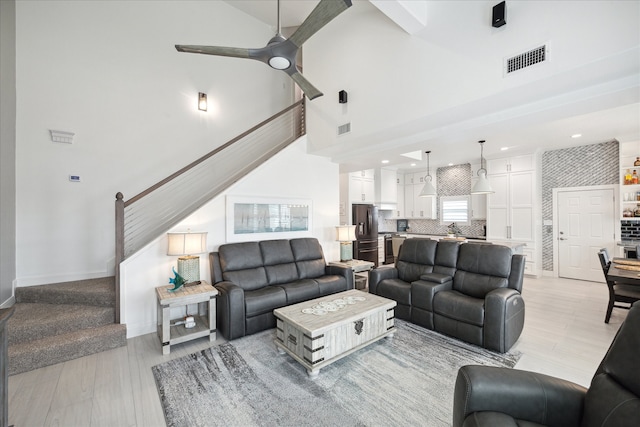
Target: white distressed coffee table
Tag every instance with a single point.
(318, 332)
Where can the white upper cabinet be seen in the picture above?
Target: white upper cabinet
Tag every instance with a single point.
(362, 186)
(386, 188)
(511, 164)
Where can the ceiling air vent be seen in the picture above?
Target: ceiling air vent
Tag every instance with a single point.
(526, 59)
(345, 128)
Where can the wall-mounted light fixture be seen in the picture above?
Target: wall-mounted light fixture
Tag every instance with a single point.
(428, 190)
(482, 186)
(202, 101)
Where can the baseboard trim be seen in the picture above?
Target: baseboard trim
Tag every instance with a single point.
(47, 280)
(9, 302)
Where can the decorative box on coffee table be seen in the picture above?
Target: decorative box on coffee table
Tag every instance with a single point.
(318, 332)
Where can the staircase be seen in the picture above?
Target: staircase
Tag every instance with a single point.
(62, 321)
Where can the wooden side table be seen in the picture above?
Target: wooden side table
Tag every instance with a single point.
(358, 266)
(204, 295)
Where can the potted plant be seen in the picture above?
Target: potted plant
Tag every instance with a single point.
(453, 230)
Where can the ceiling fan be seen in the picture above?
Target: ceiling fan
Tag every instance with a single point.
(280, 53)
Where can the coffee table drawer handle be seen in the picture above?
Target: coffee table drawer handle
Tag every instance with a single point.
(293, 340)
(359, 325)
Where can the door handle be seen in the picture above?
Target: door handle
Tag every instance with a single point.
(562, 238)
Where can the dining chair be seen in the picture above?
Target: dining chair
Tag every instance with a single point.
(619, 292)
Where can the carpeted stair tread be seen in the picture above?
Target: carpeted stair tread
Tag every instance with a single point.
(100, 292)
(34, 321)
(60, 348)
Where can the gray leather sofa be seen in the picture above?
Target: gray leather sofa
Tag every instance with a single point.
(468, 291)
(488, 396)
(254, 278)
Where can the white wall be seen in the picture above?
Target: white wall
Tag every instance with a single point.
(453, 69)
(108, 71)
(7, 151)
(291, 174)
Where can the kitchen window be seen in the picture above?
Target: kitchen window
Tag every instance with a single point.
(454, 209)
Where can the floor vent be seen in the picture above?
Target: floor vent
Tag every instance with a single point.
(345, 128)
(526, 59)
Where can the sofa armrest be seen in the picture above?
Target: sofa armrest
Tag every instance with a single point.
(503, 318)
(345, 272)
(524, 395)
(379, 274)
(230, 315)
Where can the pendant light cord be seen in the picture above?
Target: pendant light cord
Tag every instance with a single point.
(482, 161)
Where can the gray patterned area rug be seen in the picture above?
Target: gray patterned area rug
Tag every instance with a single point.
(406, 380)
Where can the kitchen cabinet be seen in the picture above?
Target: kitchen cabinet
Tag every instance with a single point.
(414, 205)
(511, 209)
(511, 164)
(362, 186)
(386, 189)
(400, 212)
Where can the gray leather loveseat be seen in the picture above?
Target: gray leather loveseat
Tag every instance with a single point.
(254, 278)
(468, 291)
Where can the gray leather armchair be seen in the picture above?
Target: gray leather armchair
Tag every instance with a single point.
(488, 396)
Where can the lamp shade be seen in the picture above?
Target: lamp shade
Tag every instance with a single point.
(346, 233)
(186, 243)
(482, 186)
(428, 190)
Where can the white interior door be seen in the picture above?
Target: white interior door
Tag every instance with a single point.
(585, 224)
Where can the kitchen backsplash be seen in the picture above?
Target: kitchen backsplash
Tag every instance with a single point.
(630, 230)
(430, 226)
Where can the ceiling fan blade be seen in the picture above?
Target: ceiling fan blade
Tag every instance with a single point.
(309, 90)
(324, 12)
(236, 52)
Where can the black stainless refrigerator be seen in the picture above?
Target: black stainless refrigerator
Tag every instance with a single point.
(365, 218)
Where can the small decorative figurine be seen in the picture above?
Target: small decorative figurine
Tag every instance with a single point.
(177, 281)
(454, 230)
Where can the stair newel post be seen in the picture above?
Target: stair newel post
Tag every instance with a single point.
(119, 247)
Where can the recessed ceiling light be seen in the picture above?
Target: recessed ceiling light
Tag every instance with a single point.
(385, 161)
(504, 148)
(450, 164)
(413, 164)
(576, 135)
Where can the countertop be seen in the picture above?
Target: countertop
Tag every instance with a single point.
(629, 243)
(406, 233)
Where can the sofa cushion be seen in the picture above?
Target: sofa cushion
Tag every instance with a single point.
(300, 290)
(264, 300)
(241, 263)
(395, 289)
(446, 257)
(482, 268)
(276, 252)
(454, 305)
(331, 284)
(416, 257)
(309, 257)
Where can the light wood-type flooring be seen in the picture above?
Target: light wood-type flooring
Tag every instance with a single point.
(564, 336)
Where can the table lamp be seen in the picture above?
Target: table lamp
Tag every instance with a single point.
(186, 245)
(345, 235)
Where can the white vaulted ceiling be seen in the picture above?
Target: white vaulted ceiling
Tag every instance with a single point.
(442, 87)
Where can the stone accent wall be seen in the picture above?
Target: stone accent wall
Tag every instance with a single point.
(596, 164)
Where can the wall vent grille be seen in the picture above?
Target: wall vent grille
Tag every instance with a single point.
(345, 128)
(526, 59)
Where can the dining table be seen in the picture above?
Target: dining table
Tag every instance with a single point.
(617, 274)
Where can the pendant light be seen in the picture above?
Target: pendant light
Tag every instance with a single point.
(482, 186)
(428, 190)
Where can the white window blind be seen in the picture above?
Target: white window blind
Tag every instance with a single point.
(454, 209)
